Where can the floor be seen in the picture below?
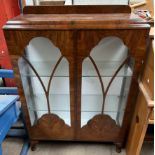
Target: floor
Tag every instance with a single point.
(12, 146)
(148, 148)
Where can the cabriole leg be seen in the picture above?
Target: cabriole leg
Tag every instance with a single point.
(118, 147)
(33, 144)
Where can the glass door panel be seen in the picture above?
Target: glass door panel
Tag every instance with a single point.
(106, 77)
(45, 77)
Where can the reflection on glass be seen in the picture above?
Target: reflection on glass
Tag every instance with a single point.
(96, 2)
(44, 56)
(110, 56)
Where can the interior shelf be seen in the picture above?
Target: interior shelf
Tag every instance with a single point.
(106, 68)
(65, 115)
(91, 106)
(58, 102)
(61, 102)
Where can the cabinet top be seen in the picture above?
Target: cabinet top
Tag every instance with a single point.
(76, 17)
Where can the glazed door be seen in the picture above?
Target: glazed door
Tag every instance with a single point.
(105, 72)
(47, 84)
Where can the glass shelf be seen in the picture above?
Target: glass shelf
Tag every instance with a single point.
(92, 105)
(92, 85)
(58, 102)
(107, 69)
(45, 68)
(65, 115)
(59, 85)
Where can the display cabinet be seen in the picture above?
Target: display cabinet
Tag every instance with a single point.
(76, 69)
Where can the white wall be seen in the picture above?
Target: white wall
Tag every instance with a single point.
(97, 2)
(29, 2)
(92, 2)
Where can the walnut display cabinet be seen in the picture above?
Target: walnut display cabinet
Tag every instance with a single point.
(76, 69)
